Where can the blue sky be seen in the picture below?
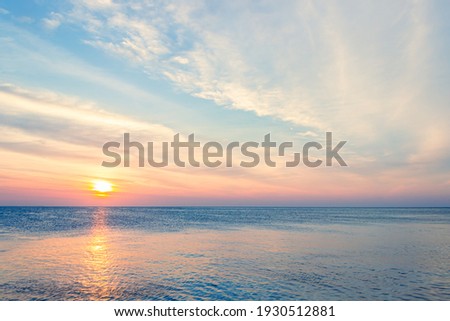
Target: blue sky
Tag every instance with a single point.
(374, 73)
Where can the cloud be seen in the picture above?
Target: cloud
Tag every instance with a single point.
(98, 4)
(115, 31)
(25, 50)
(323, 68)
(50, 119)
(181, 60)
(53, 21)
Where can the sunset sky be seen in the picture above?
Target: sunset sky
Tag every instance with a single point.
(77, 74)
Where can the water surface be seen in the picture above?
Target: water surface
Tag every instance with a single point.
(224, 253)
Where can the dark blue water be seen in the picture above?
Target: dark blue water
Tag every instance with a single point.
(220, 253)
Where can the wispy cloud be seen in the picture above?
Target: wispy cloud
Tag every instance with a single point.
(47, 118)
(53, 21)
(323, 68)
(24, 50)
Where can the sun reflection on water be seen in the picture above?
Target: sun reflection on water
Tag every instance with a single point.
(98, 261)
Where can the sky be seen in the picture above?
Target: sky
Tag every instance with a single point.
(77, 74)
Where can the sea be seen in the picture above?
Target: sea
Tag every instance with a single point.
(224, 253)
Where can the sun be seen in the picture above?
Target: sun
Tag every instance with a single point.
(101, 187)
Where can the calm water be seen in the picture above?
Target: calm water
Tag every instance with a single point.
(224, 253)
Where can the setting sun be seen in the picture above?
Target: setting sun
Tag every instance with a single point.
(102, 187)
